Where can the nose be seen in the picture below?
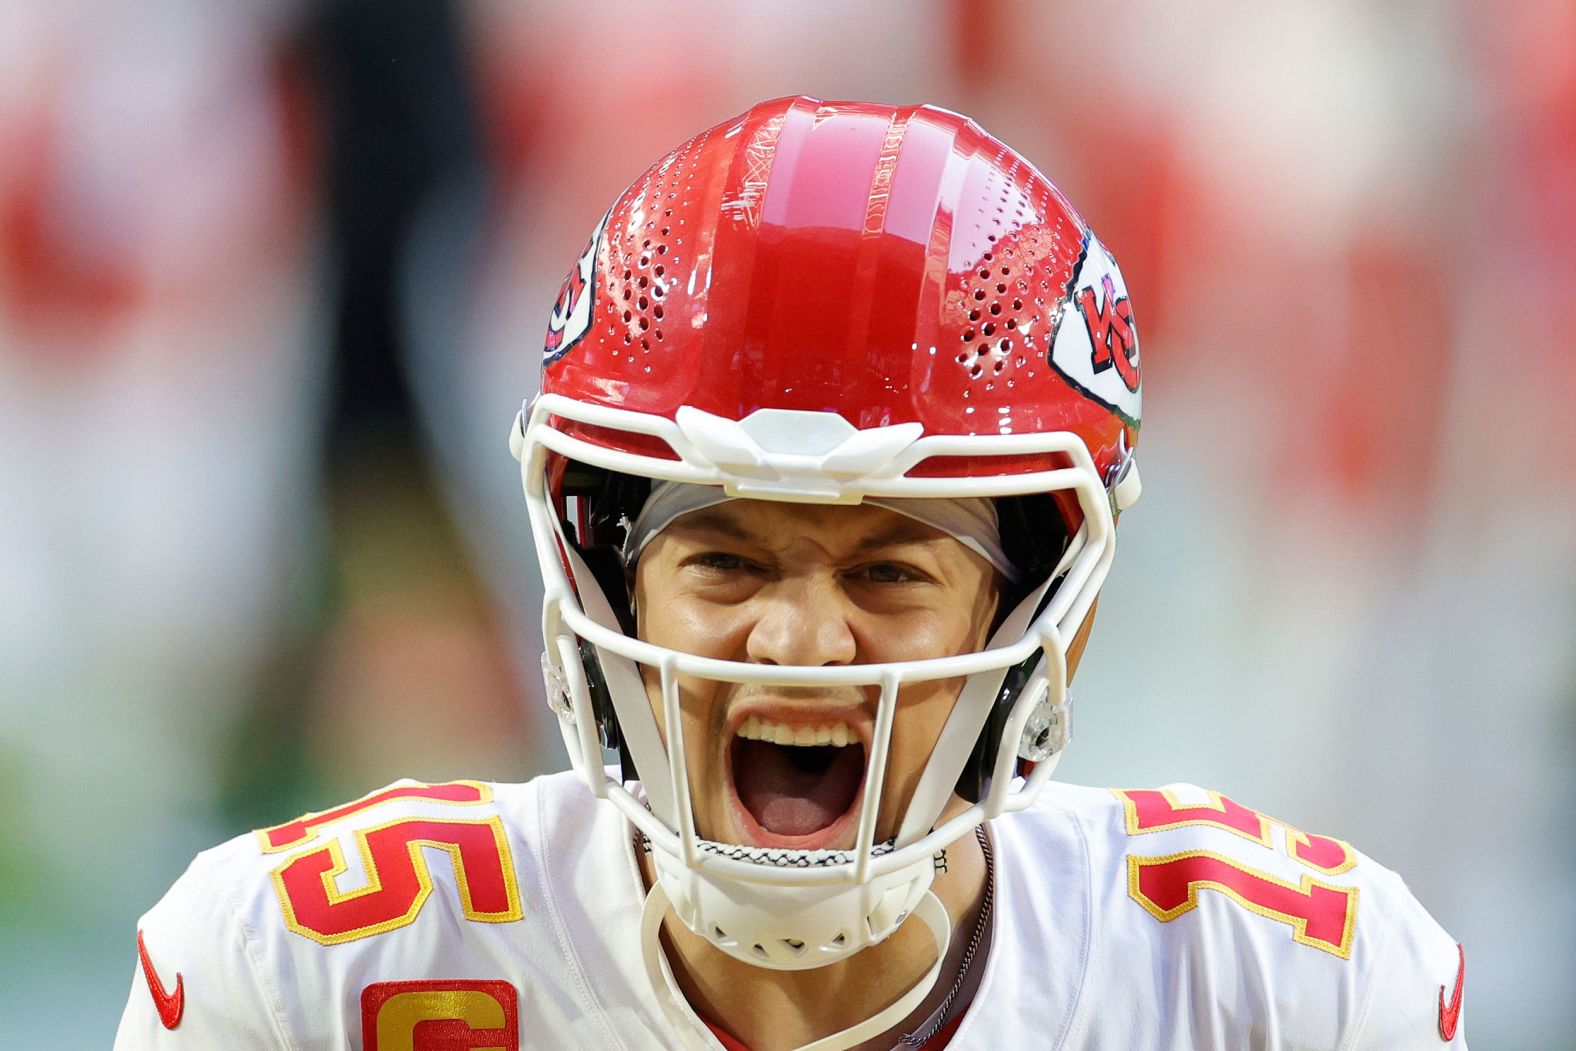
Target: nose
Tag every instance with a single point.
(802, 621)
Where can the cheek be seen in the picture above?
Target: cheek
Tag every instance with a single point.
(691, 626)
(699, 704)
(955, 621)
(921, 635)
(922, 710)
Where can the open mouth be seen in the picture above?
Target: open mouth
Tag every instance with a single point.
(797, 782)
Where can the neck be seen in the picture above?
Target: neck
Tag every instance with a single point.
(770, 1010)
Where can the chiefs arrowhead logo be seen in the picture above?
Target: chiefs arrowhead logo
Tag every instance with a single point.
(571, 318)
(169, 1005)
(1096, 343)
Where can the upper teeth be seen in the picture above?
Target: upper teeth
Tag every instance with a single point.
(758, 729)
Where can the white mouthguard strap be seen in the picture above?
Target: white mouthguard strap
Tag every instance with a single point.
(971, 520)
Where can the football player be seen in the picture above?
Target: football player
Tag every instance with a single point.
(837, 415)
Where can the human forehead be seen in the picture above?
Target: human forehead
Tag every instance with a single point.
(782, 526)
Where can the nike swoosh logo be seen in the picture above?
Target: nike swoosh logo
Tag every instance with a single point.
(170, 1005)
(1450, 1014)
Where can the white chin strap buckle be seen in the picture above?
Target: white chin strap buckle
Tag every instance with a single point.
(1122, 484)
(1048, 729)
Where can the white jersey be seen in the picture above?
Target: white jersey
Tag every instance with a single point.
(508, 916)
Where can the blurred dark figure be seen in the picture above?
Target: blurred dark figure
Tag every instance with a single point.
(400, 126)
(401, 671)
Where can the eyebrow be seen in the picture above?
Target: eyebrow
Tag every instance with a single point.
(714, 521)
(905, 531)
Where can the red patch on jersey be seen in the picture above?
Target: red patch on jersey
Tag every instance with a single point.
(169, 1005)
(1450, 1014)
(440, 1015)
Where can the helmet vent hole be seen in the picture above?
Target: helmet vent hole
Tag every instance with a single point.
(839, 941)
(759, 950)
(793, 945)
(968, 334)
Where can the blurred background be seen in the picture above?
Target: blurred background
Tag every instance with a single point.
(273, 281)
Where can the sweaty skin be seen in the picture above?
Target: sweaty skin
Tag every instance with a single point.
(814, 585)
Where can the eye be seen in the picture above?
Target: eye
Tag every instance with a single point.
(717, 562)
(888, 573)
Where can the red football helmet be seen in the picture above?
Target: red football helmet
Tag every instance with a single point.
(829, 302)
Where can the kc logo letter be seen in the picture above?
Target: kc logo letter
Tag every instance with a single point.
(1110, 326)
(443, 1014)
(1096, 343)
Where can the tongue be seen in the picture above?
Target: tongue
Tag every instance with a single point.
(796, 791)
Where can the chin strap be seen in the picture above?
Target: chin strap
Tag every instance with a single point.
(689, 1026)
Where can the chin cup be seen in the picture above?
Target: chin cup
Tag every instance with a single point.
(791, 928)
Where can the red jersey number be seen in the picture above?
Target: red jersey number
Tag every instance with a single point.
(1321, 915)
